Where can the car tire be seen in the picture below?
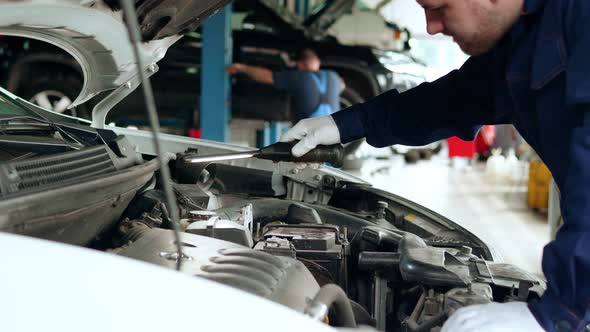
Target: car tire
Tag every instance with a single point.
(437, 148)
(349, 97)
(55, 91)
(425, 154)
(412, 157)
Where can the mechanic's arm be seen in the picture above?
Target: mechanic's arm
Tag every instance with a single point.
(259, 74)
(566, 260)
(454, 105)
(457, 104)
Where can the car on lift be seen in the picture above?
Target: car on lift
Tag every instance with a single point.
(88, 241)
(365, 24)
(264, 34)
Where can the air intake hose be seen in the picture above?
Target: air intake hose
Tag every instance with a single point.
(329, 296)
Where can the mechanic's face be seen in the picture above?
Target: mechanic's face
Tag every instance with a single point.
(310, 62)
(309, 65)
(476, 25)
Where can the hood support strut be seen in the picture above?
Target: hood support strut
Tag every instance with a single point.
(100, 110)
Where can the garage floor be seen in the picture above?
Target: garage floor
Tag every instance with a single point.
(496, 212)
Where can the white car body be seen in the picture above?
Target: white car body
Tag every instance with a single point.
(48, 286)
(366, 27)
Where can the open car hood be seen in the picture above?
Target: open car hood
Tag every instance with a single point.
(317, 23)
(326, 15)
(94, 33)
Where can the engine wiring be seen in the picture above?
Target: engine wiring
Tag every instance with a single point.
(173, 211)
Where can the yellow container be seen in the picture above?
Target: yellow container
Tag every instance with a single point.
(538, 186)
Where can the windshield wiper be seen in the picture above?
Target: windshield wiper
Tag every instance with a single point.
(36, 144)
(28, 123)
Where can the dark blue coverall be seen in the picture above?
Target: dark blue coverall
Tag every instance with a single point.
(316, 93)
(537, 78)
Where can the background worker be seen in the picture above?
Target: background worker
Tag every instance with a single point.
(316, 92)
(529, 67)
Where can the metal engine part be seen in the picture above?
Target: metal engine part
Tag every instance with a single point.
(277, 246)
(222, 178)
(476, 293)
(280, 279)
(433, 308)
(209, 223)
(322, 248)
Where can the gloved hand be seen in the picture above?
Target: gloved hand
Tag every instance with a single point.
(311, 133)
(493, 317)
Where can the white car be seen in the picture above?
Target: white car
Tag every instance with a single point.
(366, 26)
(88, 238)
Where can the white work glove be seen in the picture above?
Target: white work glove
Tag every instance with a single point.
(311, 133)
(493, 317)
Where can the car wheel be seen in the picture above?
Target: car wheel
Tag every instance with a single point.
(55, 92)
(412, 157)
(425, 154)
(437, 148)
(349, 97)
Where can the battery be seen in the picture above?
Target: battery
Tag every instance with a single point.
(322, 248)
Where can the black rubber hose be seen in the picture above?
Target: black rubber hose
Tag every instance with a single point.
(332, 296)
(361, 316)
(412, 322)
(434, 321)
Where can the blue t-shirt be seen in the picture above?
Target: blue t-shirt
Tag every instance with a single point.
(304, 87)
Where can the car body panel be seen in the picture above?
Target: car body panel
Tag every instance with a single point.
(102, 49)
(318, 23)
(57, 294)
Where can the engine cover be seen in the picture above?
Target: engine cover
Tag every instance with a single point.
(280, 279)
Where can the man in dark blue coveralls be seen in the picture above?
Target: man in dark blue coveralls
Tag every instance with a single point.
(530, 66)
(316, 92)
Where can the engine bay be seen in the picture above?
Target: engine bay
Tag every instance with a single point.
(342, 253)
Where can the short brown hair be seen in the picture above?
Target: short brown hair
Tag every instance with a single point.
(305, 54)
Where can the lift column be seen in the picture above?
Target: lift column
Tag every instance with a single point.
(302, 8)
(273, 130)
(216, 56)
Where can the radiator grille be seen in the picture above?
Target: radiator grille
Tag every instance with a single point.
(33, 173)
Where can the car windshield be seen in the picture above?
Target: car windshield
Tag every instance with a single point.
(11, 106)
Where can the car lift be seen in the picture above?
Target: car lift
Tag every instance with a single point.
(215, 112)
(216, 56)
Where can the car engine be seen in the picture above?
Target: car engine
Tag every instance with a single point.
(342, 253)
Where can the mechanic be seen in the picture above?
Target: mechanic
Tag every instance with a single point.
(529, 67)
(316, 91)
